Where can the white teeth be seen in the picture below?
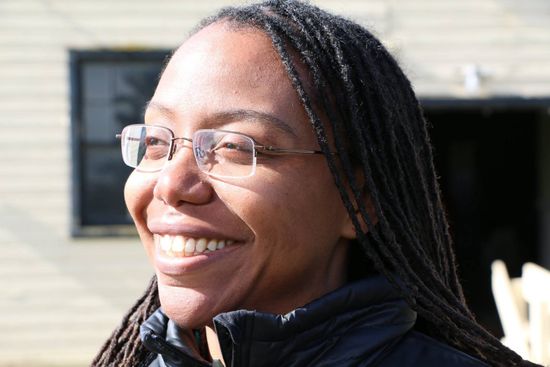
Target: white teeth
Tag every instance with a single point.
(190, 246)
(212, 245)
(165, 242)
(178, 246)
(200, 246)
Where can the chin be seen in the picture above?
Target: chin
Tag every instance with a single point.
(188, 308)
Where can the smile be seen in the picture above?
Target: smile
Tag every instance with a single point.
(181, 246)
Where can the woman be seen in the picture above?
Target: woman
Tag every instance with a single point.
(285, 194)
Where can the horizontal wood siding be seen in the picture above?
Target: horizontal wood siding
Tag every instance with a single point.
(434, 40)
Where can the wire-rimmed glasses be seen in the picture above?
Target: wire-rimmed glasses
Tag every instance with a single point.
(218, 153)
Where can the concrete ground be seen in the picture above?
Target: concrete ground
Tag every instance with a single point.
(60, 298)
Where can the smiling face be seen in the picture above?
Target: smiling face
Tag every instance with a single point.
(270, 242)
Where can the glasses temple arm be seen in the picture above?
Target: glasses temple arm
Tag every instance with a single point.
(278, 151)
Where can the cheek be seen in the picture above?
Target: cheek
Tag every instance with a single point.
(283, 204)
(138, 194)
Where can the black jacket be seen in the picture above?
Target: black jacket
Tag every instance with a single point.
(362, 324)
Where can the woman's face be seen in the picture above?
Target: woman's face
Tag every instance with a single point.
(285, 229)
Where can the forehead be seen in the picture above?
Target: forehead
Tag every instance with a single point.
(222, 69)
(224, 41)
(223, 60)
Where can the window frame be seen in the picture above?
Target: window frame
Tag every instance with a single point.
(77, 60)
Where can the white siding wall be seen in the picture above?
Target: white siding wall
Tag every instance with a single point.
(61, 296)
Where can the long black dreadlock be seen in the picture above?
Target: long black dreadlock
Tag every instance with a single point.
(380, 134)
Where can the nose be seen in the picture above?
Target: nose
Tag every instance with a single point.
(181, 180)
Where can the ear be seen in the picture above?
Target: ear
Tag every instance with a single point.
(348, 229)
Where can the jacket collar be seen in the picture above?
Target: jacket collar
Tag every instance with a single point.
(370, 307)
(162, 336)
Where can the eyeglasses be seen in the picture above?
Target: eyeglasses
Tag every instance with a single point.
(218, 153)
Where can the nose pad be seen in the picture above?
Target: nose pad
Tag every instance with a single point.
(181, 181)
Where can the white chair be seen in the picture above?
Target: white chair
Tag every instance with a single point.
(536, 291)
(523, 306)
(511, 309)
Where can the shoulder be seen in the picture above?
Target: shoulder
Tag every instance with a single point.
(418, 349)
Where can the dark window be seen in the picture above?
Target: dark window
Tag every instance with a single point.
(109, 90)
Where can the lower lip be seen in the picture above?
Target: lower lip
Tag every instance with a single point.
(182, 265)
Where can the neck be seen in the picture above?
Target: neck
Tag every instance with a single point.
(214, 345)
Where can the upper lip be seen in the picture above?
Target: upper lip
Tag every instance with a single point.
(188, 230)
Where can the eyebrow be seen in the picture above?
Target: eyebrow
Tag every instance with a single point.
(232, 115)
(253, 115)
(151, 105)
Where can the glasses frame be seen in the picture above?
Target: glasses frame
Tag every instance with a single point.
(257, 148)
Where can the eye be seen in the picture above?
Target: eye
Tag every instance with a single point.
(151, 141)
(155, 147)
(230, 146)
(232, 143)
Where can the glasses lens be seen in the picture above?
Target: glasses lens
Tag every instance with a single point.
(145, 147)
(224, 154)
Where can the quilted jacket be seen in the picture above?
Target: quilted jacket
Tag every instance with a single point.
(365, 323)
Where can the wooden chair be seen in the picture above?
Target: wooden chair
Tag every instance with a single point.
(535, 282)
(511, 309)
(523, 306)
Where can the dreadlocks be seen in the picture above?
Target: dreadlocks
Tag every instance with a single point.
(358, 95)
(124, 347)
